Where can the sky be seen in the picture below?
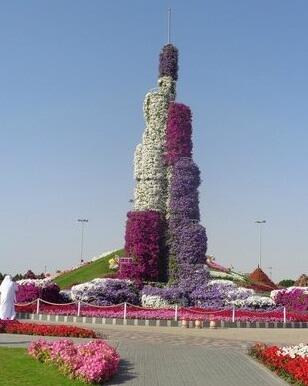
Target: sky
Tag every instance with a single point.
(73, 75)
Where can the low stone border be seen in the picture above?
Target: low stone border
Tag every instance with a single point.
(154, 323)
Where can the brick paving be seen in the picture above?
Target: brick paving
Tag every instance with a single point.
(169, 357)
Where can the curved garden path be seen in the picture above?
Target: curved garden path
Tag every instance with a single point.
(173, 356)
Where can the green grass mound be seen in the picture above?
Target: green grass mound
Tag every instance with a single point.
(19, 369)
(97, 268)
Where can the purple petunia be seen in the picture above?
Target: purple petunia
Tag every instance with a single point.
(168, 62)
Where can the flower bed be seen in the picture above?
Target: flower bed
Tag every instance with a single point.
(93, 362)
(105, 292)
(189, 313)
(293, 298)
(291, 363)
(31, 289)
(256, 302)
(15, 327)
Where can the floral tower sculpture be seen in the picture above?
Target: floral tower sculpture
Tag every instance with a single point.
(163, 233)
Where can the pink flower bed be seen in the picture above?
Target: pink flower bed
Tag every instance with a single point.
(293, 298)
(93, 362)
(193, 313)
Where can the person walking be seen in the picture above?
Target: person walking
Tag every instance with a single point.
(7, 298)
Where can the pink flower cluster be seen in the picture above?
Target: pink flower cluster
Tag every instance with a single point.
(293, 298)
(143, 240)
(31, 289)
(93, 362)
(178, 133)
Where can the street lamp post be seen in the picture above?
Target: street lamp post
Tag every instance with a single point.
(82, 221)
(260, 222)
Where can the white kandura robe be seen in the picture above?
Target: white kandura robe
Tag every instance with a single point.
(7, 299)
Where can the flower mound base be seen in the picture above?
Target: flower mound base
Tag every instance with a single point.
(93, 362)
(290, 363)
(15, 327)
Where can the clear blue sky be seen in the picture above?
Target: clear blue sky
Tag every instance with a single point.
(73, 75)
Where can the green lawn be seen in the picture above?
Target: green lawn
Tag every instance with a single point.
(98, 268)
(17, 368)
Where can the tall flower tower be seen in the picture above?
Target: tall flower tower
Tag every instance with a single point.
(163, 233)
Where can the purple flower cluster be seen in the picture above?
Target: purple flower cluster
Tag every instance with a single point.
(105, 292)
(184, 200)
(213, 295)
(168, 62)
(178, 133)
(188, 240)
(143, 242)
(193, 277)
(170, 294)
(116, 292)
(191, 243)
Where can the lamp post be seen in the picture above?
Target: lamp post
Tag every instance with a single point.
(260, 222)
(82, 221)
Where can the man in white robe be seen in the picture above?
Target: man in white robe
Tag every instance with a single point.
(7, 298)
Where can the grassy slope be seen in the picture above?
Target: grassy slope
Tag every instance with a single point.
(98, 268)
(19, 369)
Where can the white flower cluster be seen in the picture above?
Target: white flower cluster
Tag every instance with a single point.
(149, 168)
(222, 283)
(226, 275)
(295, 351)
(155, 301)
(239, 293)
(90, 289)
(254, 302)
(274, 293)
(37, 282)
(103, 255)
(168, 176)
(78, 291)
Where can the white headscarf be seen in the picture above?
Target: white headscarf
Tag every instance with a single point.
(7, 285)
(7, 298)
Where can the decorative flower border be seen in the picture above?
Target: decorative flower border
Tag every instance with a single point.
(93, 362)
(15, 327)
(290, 363)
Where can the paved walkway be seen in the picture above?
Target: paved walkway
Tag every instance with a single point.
(169, 357)
(239, 337)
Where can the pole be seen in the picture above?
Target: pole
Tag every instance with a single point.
(81, 247)
(260, 240)
(176, 313)
(284, 315)
(169, 24)
(78, 309)
(233, 314)
(125, 311)
(260, 245)
(38, 305)
(82, 221)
